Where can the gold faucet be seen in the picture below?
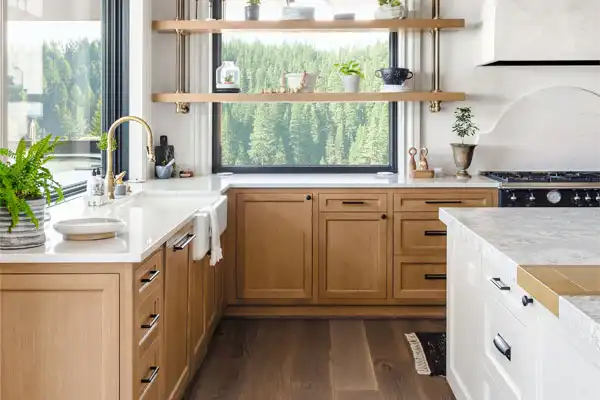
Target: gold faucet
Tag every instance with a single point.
(110, 179)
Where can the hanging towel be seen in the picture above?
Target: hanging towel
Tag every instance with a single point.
(216, 253)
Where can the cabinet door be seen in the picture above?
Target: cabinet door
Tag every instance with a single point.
(210, 307)
(64, 331)
(176, 316)
(274, 254)
(196, 308)
(220, 282)
(353, 255)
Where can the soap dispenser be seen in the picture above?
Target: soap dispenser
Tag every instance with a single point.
(91, 183)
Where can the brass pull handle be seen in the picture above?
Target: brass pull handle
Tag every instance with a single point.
(443, 201)
(152, 275)
(184, 242)
(353, 203)
(435, 233)
(433, 277)
(153, 375)
(153, 322)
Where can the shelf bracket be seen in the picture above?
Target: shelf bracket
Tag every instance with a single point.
(435, 106)
(181, 107)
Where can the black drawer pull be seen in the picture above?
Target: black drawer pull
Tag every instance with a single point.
(155, 318)
(499, 284)
(153, 375)
(443, 201)
(435, 233)
(151, 276)
(435, 277)
(502, 346)
(353, 203)
(184, 242)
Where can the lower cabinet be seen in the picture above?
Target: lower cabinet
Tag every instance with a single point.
(196, 311)
(353, 255)
(419, 280)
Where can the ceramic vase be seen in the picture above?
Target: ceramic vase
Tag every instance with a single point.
(351, 83)
(463, 156)
(252, 13)
(388, 12)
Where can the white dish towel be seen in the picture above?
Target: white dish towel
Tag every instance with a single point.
(216, 253)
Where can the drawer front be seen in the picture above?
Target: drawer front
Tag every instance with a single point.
(149, 371)
(509, 355)
(148, 317)
(419, 234)
(419, 280)
(361, 202)
(433, 201)
(149, 275)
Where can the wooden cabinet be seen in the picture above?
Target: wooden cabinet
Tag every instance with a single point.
(353, 255)
(177, 256)
(420, 280)
(419, 234)
(60, 336)
(274, 247)
(196, 311)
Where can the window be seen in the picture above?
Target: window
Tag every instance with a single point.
(303, 137)
(57, 80)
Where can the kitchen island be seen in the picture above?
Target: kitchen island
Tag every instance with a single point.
(523, 303)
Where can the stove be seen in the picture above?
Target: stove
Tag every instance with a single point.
(547, 189)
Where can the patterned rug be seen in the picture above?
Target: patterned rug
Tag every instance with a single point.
(429, 352)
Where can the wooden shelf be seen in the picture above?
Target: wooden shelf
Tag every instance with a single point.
(208, 26)
(305, 97)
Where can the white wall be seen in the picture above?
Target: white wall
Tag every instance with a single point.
(490, 90)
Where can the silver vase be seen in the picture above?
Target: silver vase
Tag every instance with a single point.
(25, 235)
(463, 156)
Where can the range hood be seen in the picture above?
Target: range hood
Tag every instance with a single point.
(540, 32)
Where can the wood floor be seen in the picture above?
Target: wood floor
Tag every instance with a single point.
(315, 360)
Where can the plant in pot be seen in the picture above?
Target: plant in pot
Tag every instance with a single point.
(351, 75)
(252, 10)
(26, 188)
(463, 127)
(390, 9)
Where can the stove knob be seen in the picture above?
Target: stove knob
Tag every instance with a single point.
(587, 197)
(598, 197)
(531, 197)
(513, 197)
(576, 198)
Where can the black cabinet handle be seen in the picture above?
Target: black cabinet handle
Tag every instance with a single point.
(503, 347)
(184, 242)
(308, 197)
(435, 233)
(526, 300)
(155, 318)
(433, 277)
(153, 375)
(443, 201)
(152, 275)
(383, 216)
(499, 284)
(353, 203)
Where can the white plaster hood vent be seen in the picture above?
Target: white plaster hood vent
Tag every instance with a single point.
(540, 32)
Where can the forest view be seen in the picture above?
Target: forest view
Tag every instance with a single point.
(303, 134)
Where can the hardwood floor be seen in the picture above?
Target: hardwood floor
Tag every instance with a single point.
(297, 359)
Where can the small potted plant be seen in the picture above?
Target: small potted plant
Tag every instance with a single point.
(390, 9)
(463, 127)
(252, 10)
(351, 75)
(26, 188)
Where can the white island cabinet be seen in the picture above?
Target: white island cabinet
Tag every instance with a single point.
(500, 349)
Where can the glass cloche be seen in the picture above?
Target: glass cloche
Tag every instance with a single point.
(228, 78)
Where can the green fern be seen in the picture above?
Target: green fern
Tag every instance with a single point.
(23, 177)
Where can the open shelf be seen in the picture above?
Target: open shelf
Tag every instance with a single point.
(305, 97)
(208, 26)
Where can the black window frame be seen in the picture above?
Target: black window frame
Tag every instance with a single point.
(217, 167)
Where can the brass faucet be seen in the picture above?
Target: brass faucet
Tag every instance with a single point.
(110, 179)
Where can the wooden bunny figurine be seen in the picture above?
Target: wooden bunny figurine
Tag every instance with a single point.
(423, 163)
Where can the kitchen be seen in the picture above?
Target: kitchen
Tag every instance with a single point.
(333, 261)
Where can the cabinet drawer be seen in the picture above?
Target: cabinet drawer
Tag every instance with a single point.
(148, 316)
(432, 201)
(419, 234)
(149, 372)
(361, 202)
(419, 280)
(149, 275)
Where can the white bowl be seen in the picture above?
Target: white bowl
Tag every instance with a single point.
(89, 228)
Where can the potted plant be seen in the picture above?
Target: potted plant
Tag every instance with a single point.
(463, 153)
(390, 9)
(351, 75)
(252, 10)
(26, 189)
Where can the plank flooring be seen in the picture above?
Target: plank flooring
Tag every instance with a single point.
(278, 359)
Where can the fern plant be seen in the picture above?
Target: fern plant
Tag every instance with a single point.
(24, 177)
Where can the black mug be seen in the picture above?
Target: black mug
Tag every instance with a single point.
(394, 76)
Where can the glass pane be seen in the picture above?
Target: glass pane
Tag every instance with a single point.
(305, 134)
(54, 80)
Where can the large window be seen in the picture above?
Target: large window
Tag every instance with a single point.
(299, 137)
(56, 80)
